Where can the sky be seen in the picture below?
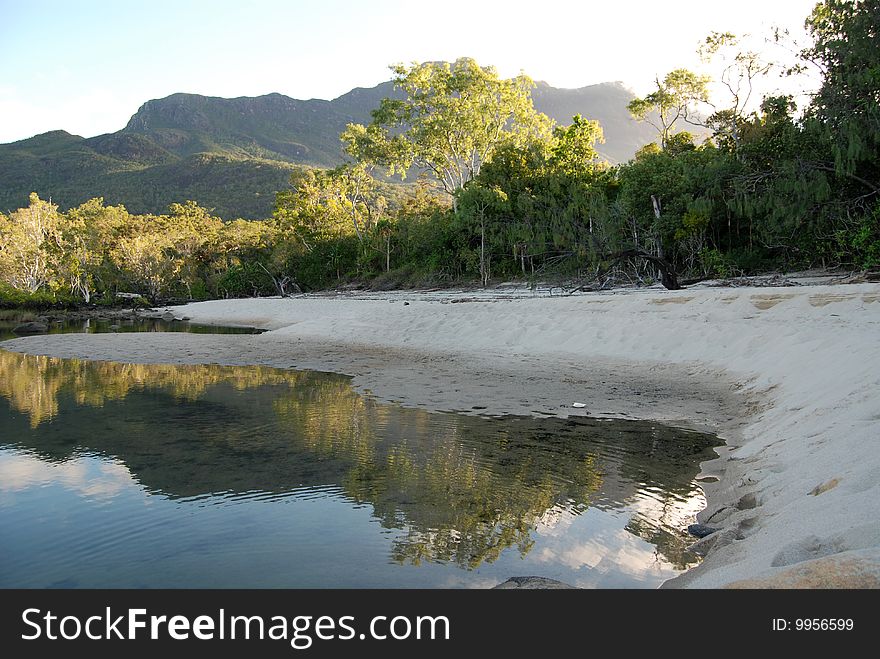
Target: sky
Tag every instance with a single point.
(85, 66)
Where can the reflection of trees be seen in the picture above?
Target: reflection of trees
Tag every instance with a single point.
(33, 383)
(459, 489)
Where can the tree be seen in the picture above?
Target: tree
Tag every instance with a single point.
(147, 260)
(676, 202)
(312, 209)
(740, 69)
(846, 34)
(89, 233)
(477, 203)
(385, 232)
(574, 147)
(195, 234)
(450, 122)
(676, 97)
(30, 241)
(355, 188)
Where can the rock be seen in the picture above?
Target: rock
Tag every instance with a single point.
(168, 316)
(848, 569)
(701, 530)
(31, 328)
(533, 583)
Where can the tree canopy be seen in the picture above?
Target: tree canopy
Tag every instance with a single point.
(450, 121)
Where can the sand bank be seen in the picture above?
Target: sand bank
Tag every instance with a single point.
(789, 377)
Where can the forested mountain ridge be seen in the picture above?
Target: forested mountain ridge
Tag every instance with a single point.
(232, 155)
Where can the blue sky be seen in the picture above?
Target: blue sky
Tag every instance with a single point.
(86, 66)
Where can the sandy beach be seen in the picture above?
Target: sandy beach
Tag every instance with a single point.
(787, 376)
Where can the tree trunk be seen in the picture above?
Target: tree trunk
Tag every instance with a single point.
(483, 274)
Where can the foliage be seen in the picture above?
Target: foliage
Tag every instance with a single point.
(450, 122)
(675, 98)
(848, 103)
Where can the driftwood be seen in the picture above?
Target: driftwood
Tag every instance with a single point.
(668, 276)
(282, 283)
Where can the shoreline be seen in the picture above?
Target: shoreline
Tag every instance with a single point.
(785, 376)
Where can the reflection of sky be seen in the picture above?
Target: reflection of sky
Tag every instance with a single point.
(597, 548)
(88, 476)
(673, 512)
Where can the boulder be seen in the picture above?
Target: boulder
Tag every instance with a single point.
(34, 327)
(701, 530)
(533, 583)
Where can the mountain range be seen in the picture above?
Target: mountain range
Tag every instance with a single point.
(232, 155)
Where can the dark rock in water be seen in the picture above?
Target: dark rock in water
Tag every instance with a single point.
(533, 583)
(31, 328)
(701, 530)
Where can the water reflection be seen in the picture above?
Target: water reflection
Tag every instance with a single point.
(448, 491)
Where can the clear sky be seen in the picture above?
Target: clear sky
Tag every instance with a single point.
(85, 66)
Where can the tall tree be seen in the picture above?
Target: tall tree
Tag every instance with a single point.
(478, 202)
(846, 34)
(740, 69)
(30, 241)
(573, 150)
(196, 234)
(90, 233)
(676, 98)
(451, 120)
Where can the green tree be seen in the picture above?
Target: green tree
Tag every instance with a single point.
(740, 68)
(90, 232)
(846, 33)
(147, 260)
(31, 246)
(355, 188)
(195, 235)
(450, 122)
(477, 203)
(311, 211)
(573, 150)
(676, 97)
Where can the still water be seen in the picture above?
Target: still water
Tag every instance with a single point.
(95, 326)
(121, 475)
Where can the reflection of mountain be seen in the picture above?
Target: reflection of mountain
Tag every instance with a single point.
(459, 489)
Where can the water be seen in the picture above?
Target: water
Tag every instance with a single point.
(11, 321)
(120, 475)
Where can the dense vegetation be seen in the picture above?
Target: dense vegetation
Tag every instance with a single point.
(233, 154)
(511, 194)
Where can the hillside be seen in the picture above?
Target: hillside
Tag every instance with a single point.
(234, 154)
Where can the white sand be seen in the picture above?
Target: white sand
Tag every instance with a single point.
(789, 377)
